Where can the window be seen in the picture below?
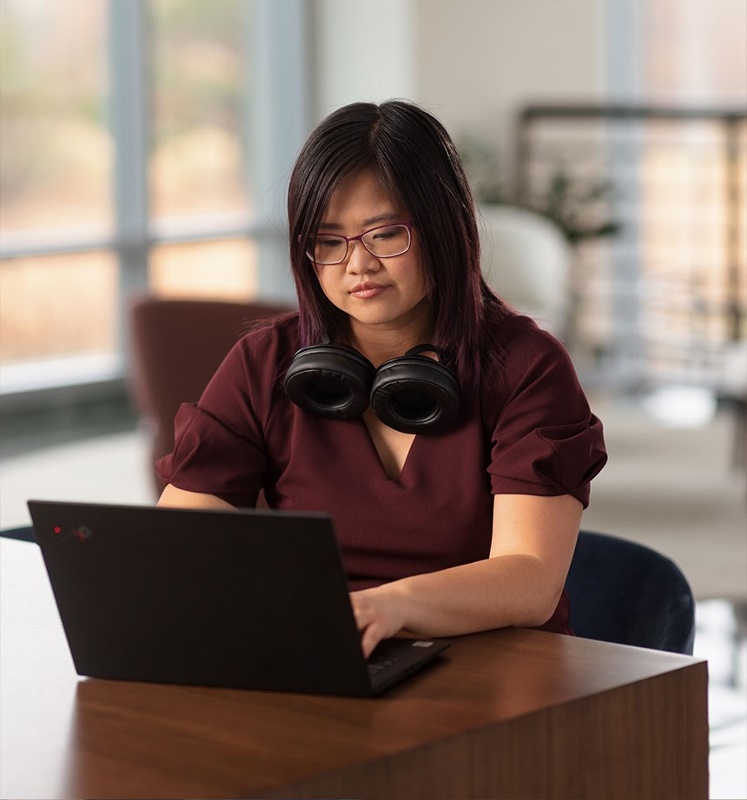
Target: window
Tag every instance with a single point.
(141, 144)
(664, 299)
(199, 82)
(692, 186)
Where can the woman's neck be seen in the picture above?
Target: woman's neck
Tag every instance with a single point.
(379, 343)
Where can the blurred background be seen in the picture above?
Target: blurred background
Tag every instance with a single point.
(145, 147)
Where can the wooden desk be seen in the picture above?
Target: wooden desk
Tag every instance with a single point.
(510, 713)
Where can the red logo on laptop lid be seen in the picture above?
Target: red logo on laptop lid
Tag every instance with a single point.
(80, 533)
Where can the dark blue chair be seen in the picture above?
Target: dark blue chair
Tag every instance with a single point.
(25, 534)
(624, 592)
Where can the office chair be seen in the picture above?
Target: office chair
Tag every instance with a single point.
(176, 347)
(527, 260)
(624, 592)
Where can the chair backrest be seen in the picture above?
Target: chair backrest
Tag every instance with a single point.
(625, 592)
(527, 260)
(176, 347)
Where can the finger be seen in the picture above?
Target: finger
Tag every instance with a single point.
(362, 614)
(370, 638)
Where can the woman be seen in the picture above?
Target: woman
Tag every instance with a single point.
(457, 491)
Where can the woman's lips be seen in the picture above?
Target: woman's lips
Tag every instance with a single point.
(365, 291)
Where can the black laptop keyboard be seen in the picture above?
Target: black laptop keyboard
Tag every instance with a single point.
(377, 665)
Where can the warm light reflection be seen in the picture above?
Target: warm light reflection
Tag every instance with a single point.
(58, 306)
(199, 131)
(56, 153)
(691, 241)
(220, 270)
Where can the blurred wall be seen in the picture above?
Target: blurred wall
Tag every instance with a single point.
(361, 51)
(478, 61)
(472, 62)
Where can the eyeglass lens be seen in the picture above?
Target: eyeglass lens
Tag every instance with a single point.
(384, 242)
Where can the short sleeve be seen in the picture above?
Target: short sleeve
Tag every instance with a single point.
(211, 458)
(545, 439)
(219, 441)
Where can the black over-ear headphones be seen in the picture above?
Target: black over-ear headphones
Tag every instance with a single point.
(412, 393)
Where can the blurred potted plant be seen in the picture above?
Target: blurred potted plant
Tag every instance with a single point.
(575, 205)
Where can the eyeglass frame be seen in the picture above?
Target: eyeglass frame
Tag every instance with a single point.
(359, 238)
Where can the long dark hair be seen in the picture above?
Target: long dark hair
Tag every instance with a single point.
(414, 158)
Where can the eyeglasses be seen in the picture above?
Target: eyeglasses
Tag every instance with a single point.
(386, 241)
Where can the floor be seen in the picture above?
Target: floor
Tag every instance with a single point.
(670, 483)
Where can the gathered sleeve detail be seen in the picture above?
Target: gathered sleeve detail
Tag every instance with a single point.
(211, 458)
(545, 440)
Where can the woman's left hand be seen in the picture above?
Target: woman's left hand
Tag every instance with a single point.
(519, 584)
(378, 615)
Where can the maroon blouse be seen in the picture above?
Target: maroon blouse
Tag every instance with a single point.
(535, 435)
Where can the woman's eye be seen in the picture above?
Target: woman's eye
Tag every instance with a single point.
(385, 234)
(328, 244)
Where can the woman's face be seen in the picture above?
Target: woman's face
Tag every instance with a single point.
(388, 293)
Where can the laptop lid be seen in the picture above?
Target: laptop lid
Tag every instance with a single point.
(243, 599)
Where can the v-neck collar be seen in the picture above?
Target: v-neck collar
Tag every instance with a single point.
(377, 455)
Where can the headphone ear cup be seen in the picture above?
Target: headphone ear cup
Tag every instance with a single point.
(413, 394)
(330, 380)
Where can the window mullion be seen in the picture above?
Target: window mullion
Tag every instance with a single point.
(279, 122)
(128, 104)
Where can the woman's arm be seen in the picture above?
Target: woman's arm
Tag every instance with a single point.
(171, 497)
(519, 584)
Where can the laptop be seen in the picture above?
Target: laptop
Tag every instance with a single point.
(243, 599)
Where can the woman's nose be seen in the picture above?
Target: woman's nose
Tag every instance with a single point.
(360, 260)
